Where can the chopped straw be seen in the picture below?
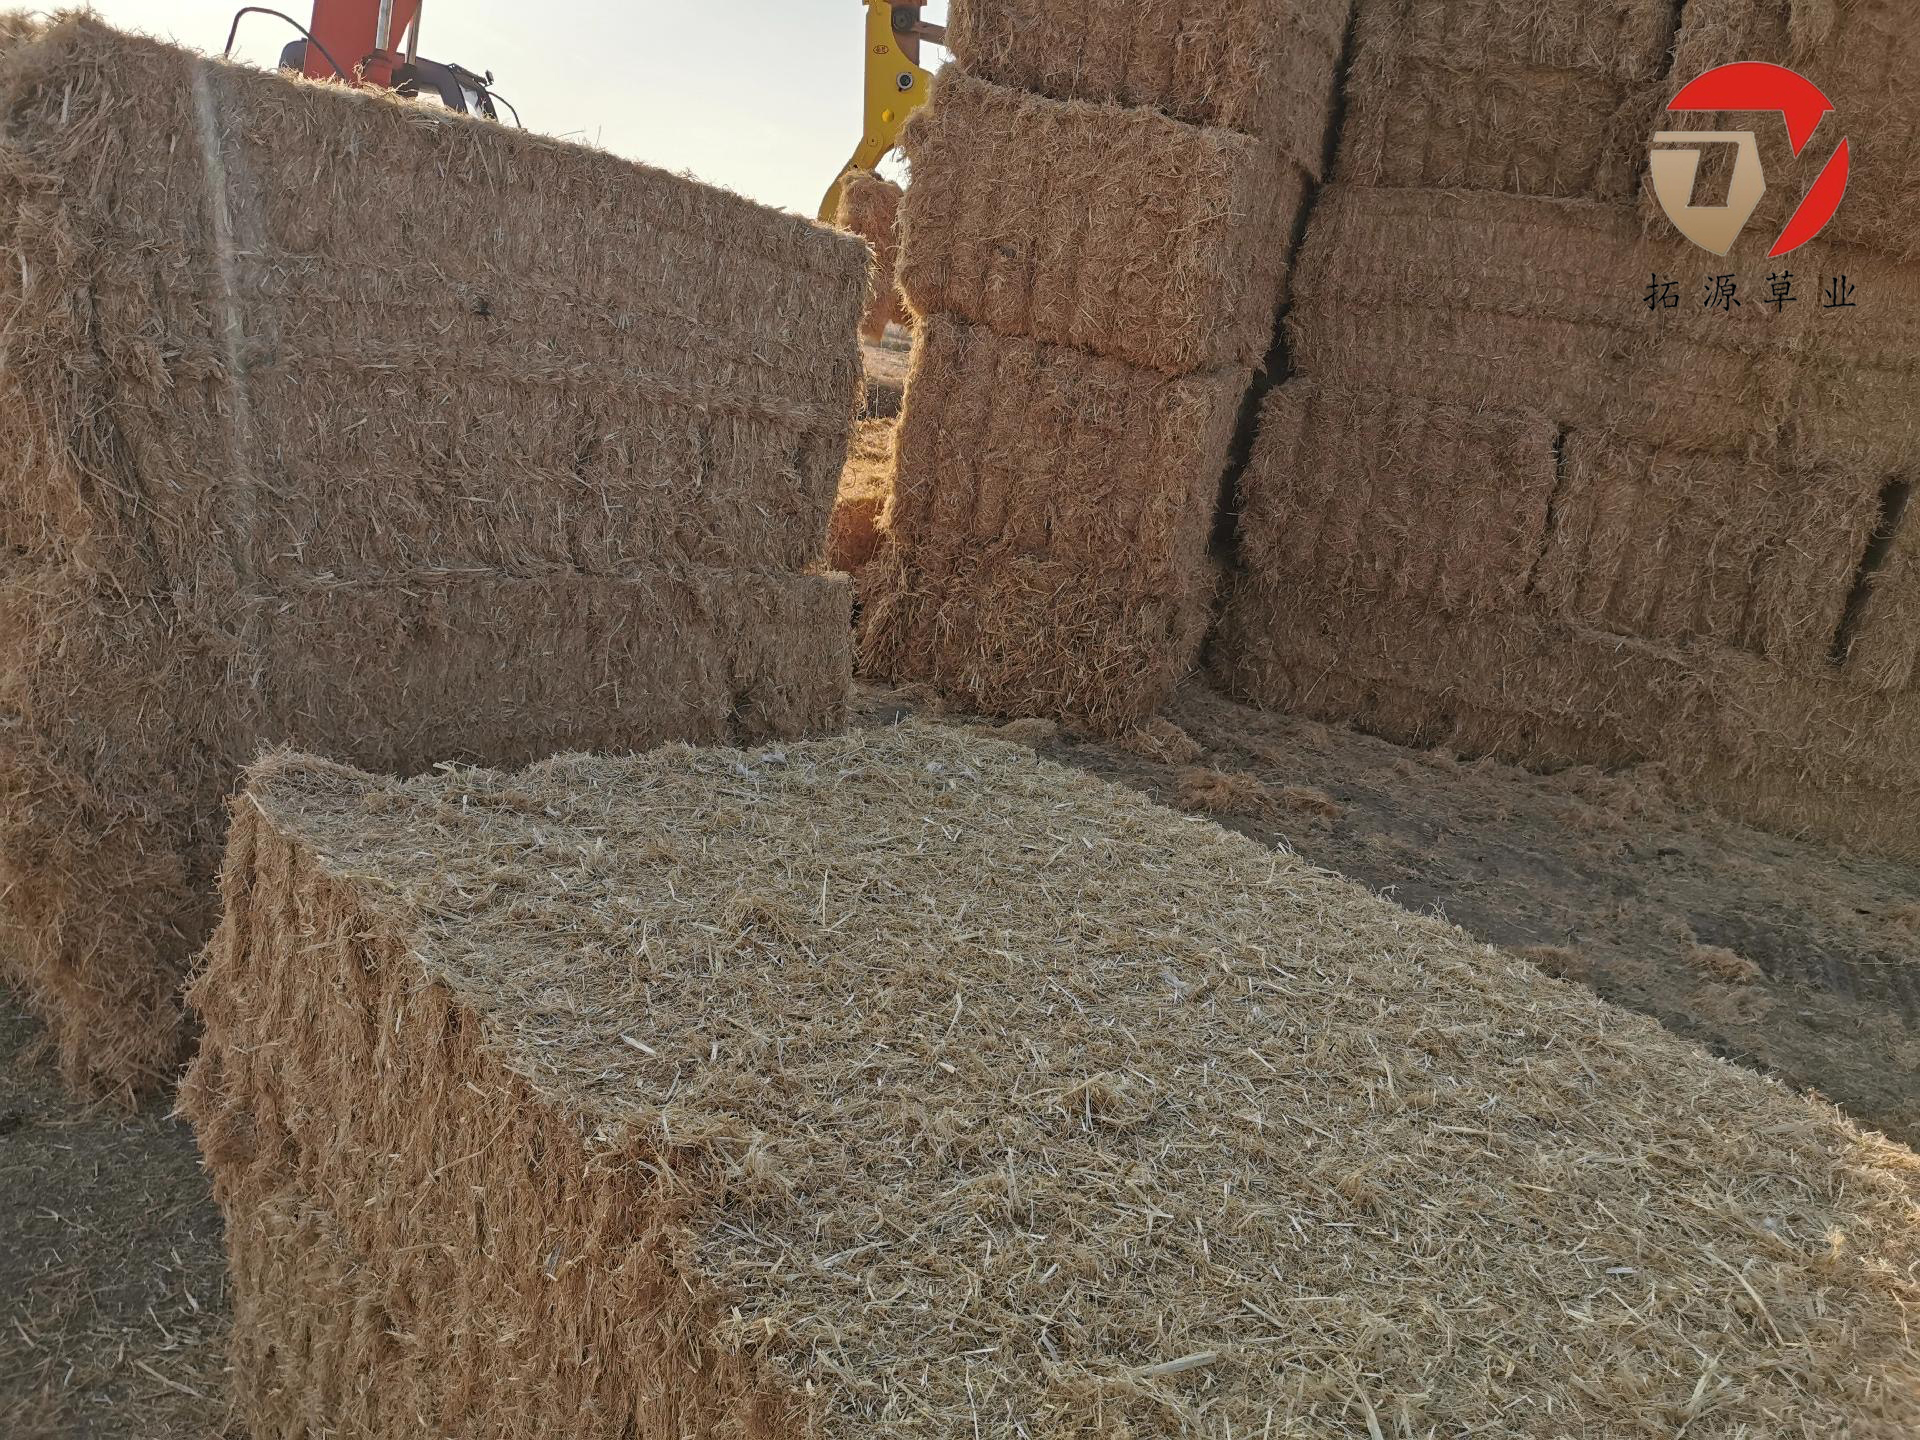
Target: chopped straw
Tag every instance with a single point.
(907, 1085)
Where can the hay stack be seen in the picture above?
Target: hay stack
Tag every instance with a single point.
(480, 445)
(866, 485)
(869, 208)
(1104, 206)
(1508, 506)
(561, 1112)
(1504, 95)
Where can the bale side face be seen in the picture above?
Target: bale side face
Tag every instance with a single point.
(1367, 493)
(617, 1156)
(1266, 68)
(241, 409)
(1051, 452)
(1010, 634)
(870, 208)
(1807, 750)
(1115, 230)
(866, 490)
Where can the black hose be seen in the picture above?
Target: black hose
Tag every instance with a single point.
(245, 10)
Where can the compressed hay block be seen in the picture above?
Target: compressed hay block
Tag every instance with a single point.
(238, 409)
(1862, 55)
(269, 352)
(1369, 493)
(1534, 305)
(1880, 640)
(1057, 453)
(869, 208)
(1532, 99)
(866, 486)
(1005, 633)
(1113, 229)
(1690, 545)
(387, 675)
(1802, 749)
(638, 1134)
(1262, 67)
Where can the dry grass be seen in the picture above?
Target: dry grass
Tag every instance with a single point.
(869, 208)
(992, 1098)
(241, 502)
(866, 489)
(1112, 229)
(1719, 963)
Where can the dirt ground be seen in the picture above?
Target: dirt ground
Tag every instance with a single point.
(1783, 955)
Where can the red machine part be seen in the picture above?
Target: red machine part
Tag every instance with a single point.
(350, 30)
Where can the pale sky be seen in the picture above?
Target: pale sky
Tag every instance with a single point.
(762, 96)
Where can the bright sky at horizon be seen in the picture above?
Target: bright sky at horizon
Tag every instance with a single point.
(761, 96)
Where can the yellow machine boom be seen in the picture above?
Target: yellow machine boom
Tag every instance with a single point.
(895, 87)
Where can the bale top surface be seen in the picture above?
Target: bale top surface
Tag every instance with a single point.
(1027, 1107)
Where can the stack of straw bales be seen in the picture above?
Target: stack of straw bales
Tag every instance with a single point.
(860, 509)
(1507, 506)
(340, 421)
(1097, 237)
(870, 208)
(541, 1104)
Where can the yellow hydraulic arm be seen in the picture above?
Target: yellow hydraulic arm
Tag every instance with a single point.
(896, 86)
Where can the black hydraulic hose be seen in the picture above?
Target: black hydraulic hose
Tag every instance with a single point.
(246, 10)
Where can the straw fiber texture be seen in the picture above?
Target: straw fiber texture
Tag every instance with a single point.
(333, 417)
(1810, 748)
(908, 1085)
(1266, 68)
(1548, 99)
(1113, 229)
(870, 208)
(1370, 493)
(866, 487)
(1048, 527)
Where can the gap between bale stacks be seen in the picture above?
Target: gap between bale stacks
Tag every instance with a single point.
(869, 208)
(269, 475)
(696, 1143)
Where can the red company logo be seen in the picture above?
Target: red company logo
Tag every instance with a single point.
(1747, 86)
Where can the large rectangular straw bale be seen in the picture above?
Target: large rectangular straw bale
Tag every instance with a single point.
(1534, 99)
(1370, 493)
(1862, 54)
(300, 386)
(1793, 747)
(866, 491)
(629, 1132)
(1533, 304)
(1004, 632)
(1114, 229)
(1882, 646)
(1691, 545)
(1053, 452)
(1262, 67)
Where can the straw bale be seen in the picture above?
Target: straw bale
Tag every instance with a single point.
(1534, 304)
(253, 389)
(1534, 99)
(1862, 54)
(1262, 67)
(405, 673)
(1882, 651)
(1054, 452)
(1007, 633)
(1112, 229)
(1795, 748)
(1110, 1123)
(1681, 546)
(1372, 493)
(869, 208)
(866, 487)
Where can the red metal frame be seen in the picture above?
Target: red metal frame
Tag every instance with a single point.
(350, 30)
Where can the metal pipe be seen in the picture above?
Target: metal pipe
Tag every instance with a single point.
(385, 24)
(413, 33)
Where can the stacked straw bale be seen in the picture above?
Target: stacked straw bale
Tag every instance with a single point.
(540, 1104)
(476, 445)
(870, 208)
(860, 508)
(1585, 530)
(1104, 204)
